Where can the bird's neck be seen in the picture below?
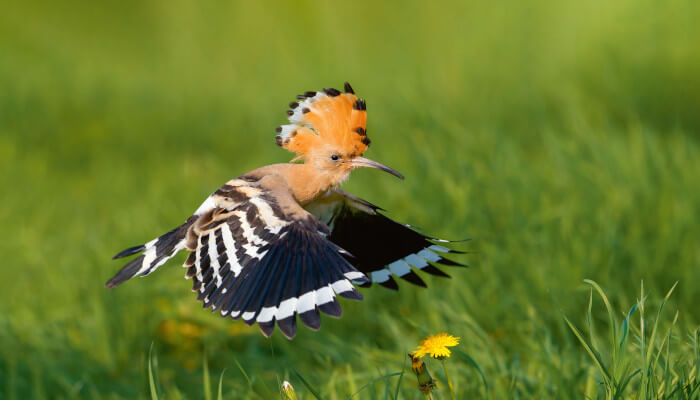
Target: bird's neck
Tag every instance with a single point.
(308, 182)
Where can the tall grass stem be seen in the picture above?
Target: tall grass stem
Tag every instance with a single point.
(449, 381)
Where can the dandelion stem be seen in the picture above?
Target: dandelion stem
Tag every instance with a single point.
(449, 381)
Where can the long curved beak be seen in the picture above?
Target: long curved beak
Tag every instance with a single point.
(365, 162)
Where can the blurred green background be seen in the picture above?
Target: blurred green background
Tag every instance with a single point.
(562, 137)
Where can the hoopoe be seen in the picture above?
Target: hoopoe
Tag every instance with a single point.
(283, 240)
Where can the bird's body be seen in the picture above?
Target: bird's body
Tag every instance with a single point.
(283, 240)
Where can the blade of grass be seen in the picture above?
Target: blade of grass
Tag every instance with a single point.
(589, 318)
(621, 365)
(642, 343)
(624, 328)
(220, 395)
(352, 386)
(621, 388)
(652, 338)
(476, 366)
(663, 346)
(387, 389)
(591, 384)
(207, 383)
(594, 354)
(667, 367)
(151, 381)
(611, 317)
(373, 381)
(696, 346)
(308, 386)
(240, 367)
(398, 385)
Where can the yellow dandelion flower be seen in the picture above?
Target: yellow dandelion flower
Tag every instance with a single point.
(436, 346)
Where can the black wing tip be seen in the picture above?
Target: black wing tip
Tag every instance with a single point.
(311, 319)
(288, 326)
(390, 284)
(127, 272)
(432, 270)
(448, 262)
(414, 279)
(266, 328)
(117, 280)
(351, 294)
(129, 251)
(332, 309)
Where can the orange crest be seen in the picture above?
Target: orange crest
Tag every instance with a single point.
(326, 118)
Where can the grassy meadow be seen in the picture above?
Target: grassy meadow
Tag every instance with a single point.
(563, 138)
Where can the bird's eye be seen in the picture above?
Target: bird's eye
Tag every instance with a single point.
(335, 157)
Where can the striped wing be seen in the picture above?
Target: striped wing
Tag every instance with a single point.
(380, 247)
(153, 254)
(258, 256)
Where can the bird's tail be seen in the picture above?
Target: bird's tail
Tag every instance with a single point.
(153, 254)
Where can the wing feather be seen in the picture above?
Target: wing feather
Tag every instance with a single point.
(377, 246)
(265, 260)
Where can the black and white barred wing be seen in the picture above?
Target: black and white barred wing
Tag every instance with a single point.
(380, 247)
(153, 254)
(260, 257)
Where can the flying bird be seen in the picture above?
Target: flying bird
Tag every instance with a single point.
(283, 240)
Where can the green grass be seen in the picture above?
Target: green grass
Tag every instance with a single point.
(561, 137)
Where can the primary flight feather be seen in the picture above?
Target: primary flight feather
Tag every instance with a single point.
(283, 240)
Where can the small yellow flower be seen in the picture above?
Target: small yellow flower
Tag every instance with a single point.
(436, 346)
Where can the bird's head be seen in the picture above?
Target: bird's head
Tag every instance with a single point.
(328, 130)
